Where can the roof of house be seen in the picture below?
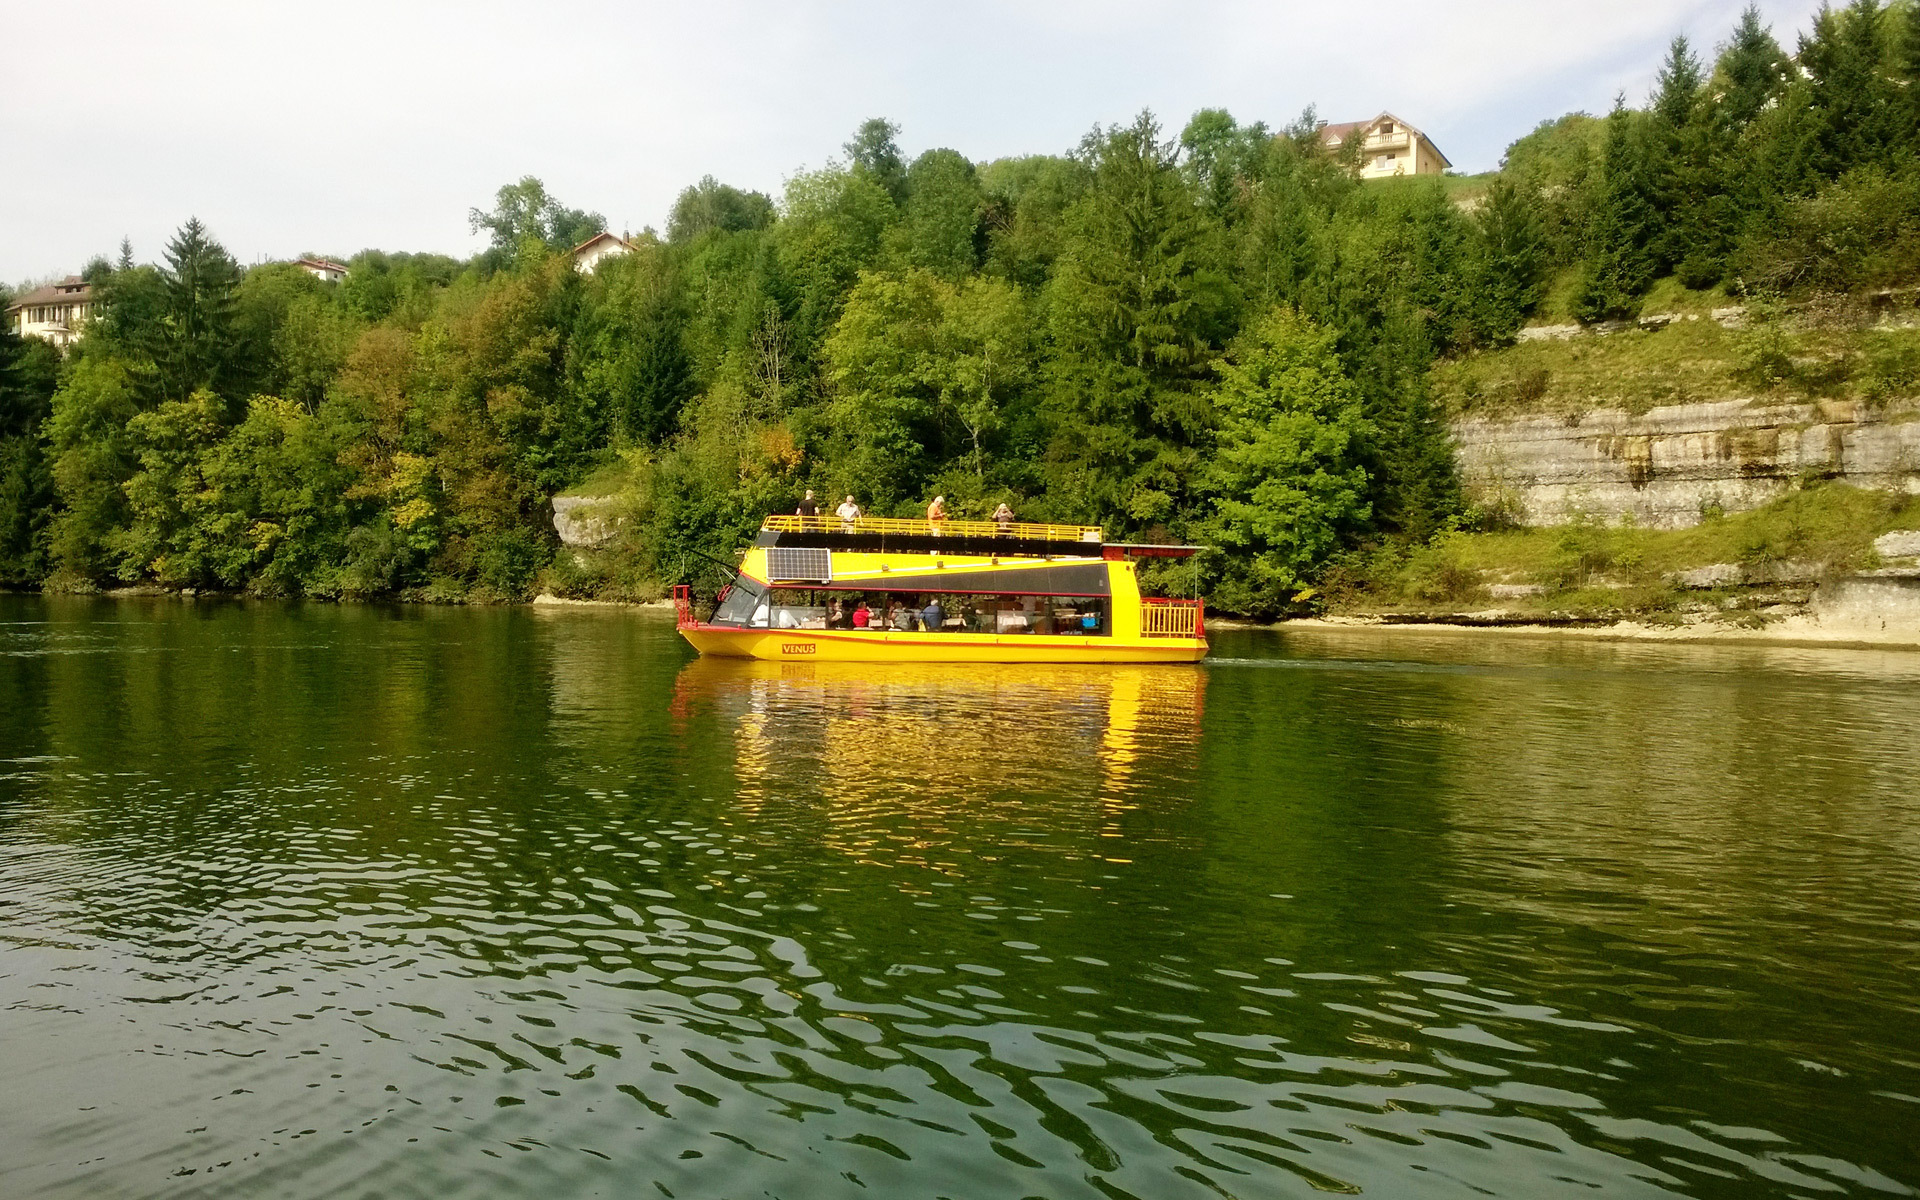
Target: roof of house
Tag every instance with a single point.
(72, 288)
(320, 264)
(602, 236)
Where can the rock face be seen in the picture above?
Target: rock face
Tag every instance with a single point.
(1672, 466)
(1901, 543)
(1873, 601)
(585, 522)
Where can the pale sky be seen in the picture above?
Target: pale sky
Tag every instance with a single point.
(290, 126)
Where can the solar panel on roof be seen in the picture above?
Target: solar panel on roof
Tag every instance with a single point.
(799, 564)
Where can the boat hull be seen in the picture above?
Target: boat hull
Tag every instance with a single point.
(857, 645)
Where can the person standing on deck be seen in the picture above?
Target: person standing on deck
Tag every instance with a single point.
(1003, 516)
(808, 507)
(936, 513)
(849, 514)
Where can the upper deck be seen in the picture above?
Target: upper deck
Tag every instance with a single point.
(904, 535)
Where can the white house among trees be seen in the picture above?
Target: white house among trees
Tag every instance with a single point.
(55, 312)
(587, 255)
(1391, 147)
(323, 269)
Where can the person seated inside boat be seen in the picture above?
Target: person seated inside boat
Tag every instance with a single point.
(906, 618)
(862, 615)
(1090, 621)
(836, 619)
(933, 616)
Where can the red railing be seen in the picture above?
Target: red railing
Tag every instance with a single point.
(683, 605)
(1161, 617)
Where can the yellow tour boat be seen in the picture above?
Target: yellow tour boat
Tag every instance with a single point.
(882, 589)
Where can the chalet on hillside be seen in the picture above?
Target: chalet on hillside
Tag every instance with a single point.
(1389, 147)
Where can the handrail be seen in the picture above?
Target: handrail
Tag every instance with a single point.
(683, 605)
(1160, 617)
(918, 527)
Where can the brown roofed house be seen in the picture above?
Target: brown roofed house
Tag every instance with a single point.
(323, 269)
(56, 312)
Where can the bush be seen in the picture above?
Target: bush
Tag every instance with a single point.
(505, 562)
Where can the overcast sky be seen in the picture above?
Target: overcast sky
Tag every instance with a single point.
(331, 127)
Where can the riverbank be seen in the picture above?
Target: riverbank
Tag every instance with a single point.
(1790, 630)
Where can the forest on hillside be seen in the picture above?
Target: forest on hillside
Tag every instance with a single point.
(1219, 335)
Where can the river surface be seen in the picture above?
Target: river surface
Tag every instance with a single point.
(379, 902)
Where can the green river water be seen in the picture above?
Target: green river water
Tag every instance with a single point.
(304, 900)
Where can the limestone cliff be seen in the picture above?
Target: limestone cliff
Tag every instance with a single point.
(1669, 467)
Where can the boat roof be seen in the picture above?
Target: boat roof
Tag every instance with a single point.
(907, 535)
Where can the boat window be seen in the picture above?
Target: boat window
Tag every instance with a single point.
(739, 604)
(1056, 616)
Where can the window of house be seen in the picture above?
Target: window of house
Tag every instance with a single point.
(1386, 127)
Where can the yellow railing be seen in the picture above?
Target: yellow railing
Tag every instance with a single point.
(917, 527)
(1170, 618)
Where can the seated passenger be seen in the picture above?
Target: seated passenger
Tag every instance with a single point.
(905, 620)
(934, 616)
(862, 616)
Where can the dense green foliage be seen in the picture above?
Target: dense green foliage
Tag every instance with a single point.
(1220, 336)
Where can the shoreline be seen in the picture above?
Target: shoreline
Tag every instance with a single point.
(1796, 630)
(1792, 631)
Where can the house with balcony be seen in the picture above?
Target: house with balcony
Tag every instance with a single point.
(1389, 147)
(56, 313)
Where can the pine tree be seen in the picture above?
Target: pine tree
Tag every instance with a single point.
(1510, 258)
(1907, 60)
(1678, 168)
(1854, 100)
(195, 344)
(1621, 257)
(1749, 75)
(26, 477)
(1134, 300)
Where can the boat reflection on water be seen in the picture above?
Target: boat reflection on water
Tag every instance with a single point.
(913, 748)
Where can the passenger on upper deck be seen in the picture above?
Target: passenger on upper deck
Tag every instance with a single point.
(807, 508)
(937, 512)
(848, 512)
(1003, 516)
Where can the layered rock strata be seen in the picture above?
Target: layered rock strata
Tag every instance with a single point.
(1670, 467)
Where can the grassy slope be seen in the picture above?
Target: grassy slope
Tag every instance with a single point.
(1689, 360)
(1593, 569)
